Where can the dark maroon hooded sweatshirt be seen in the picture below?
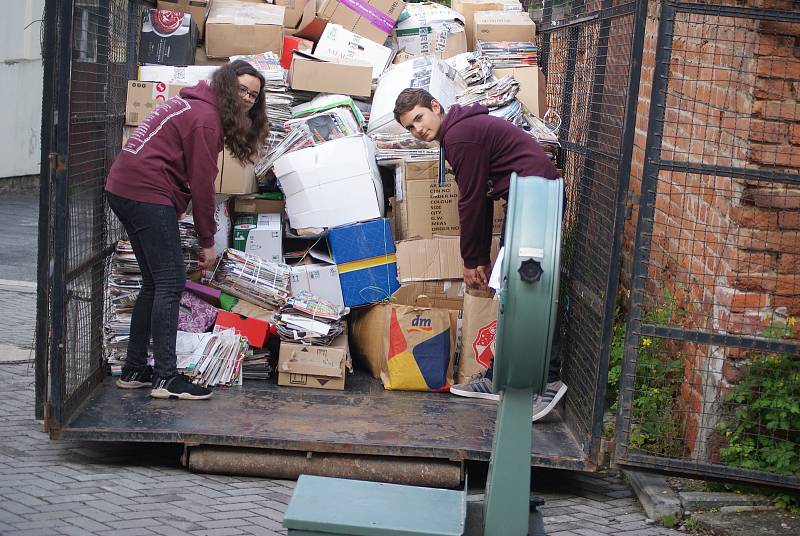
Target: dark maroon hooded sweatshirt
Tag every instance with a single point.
(171, 158)
(483, 151)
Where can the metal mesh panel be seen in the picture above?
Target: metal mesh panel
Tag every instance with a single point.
(712, 372)
(587, 57)
(95, 59)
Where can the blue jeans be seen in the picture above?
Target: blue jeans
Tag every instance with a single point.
(154, 236)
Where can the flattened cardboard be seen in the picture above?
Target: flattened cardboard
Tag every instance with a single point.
(235, 28)
(374, 19)
(430, 259)
(504, 26)
(319, 279)
(234, 177)
(469, 7)
(144, 97)
(317, 367)
(250, 204)
(531, 93)
(197, 8)
(447, 294)
(293, 11)
(340, 44)
(309, 73)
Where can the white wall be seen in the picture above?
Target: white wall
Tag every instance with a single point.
(20, 87)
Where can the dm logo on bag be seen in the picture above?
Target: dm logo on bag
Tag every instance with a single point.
(484, 344)
(424, 325)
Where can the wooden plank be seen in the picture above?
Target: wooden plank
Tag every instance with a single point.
(362, 419)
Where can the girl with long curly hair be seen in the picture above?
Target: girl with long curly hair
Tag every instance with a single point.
(169, 160)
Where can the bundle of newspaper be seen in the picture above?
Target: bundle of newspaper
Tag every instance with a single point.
(504, 54)
(256, 364)
(252, 278)
(493, 94)
(277, 96)
(513, 112)
(403, 146)
(309, 319)
(211, 359)
(472, 66)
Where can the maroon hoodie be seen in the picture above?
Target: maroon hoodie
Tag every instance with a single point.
(171, 158)
(484, 150)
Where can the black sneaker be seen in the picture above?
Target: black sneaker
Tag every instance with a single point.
(133, 378)
(179, 387)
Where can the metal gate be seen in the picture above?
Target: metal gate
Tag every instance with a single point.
(591, 52)
(89, 55)
(711, 378)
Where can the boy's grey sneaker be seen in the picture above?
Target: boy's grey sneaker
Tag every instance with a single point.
(133, 378)
(544, 403)
(179, 387)
(480, 387)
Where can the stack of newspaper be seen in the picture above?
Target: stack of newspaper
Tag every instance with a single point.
(472, 66)
(504, 54)
(493, 94)
(309, 319)
(252, 278)
(403, 147)
(211, 359)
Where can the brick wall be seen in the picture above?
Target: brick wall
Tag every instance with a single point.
(728, 249)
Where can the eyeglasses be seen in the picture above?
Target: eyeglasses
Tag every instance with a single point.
(245, 92)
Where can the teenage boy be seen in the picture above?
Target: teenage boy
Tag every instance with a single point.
(483, 151)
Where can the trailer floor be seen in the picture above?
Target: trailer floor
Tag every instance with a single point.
(362, 419)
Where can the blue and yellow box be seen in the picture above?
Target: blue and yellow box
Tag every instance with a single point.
(365, 256)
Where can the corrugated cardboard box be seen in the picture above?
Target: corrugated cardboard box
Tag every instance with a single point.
(234, 28)
(293, 11)
(234, 177)
(167, 38)
(319, 279)
(431, 28)
(407, 347)
(374, 19)
(251, 204)
(531, 90)
(310, 73)
(504, 26)
(431, 259)
(197, 8)
(469, 7)
(340, 44)
(265, 241)
(318, 367)
(423, 208)
(335, 183)
(173, 74)
(144, 97)
(446, 294)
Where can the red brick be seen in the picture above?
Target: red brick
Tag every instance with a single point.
(764, 240)
(744, 301)
(775, 197)
(780, 27)
(755, 217)
(792, 304)
(749, 261)
(788, 285)
(763, 282)
(731, 372)
(748, 323)
(794, 136)
(767, 131)
(775, 45)
(778, 155)
(772, 89)
(789, 220)
(776, 109)
(789, 264)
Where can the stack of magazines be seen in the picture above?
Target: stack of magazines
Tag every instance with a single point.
(472, 66)
(211, 359)
(309, 319)
(504, 54)
(494, 94)
(403, 147)
(252, 278)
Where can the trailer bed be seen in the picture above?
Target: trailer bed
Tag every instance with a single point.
(362, 419)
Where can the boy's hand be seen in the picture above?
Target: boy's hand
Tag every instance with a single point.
(208, 258)
(477, 278)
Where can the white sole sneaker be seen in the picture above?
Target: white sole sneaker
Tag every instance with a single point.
(562, 388)
(122, 384)
(454, 389)
(164, 393)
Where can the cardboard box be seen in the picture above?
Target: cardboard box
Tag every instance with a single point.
(310, 73)
(167, 38)
(531, 91)
(407, 347)
(431, 28)
(198, 9)
(318, 367)
(364, 254)
(469, 7)
(251, 204)
(171, 74)
(340, 44)
(430, 259)
(234, 177)
(201, 59)
(293, 11)
(256, 331)
(290, 44)
(265, 241)
(504, 26)
(446, 294)
(373, 19)
(319, 279)
(335, 183)
(234, 28)
(426, 72)
(423, 208)
(245, 308)
(144, 97)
